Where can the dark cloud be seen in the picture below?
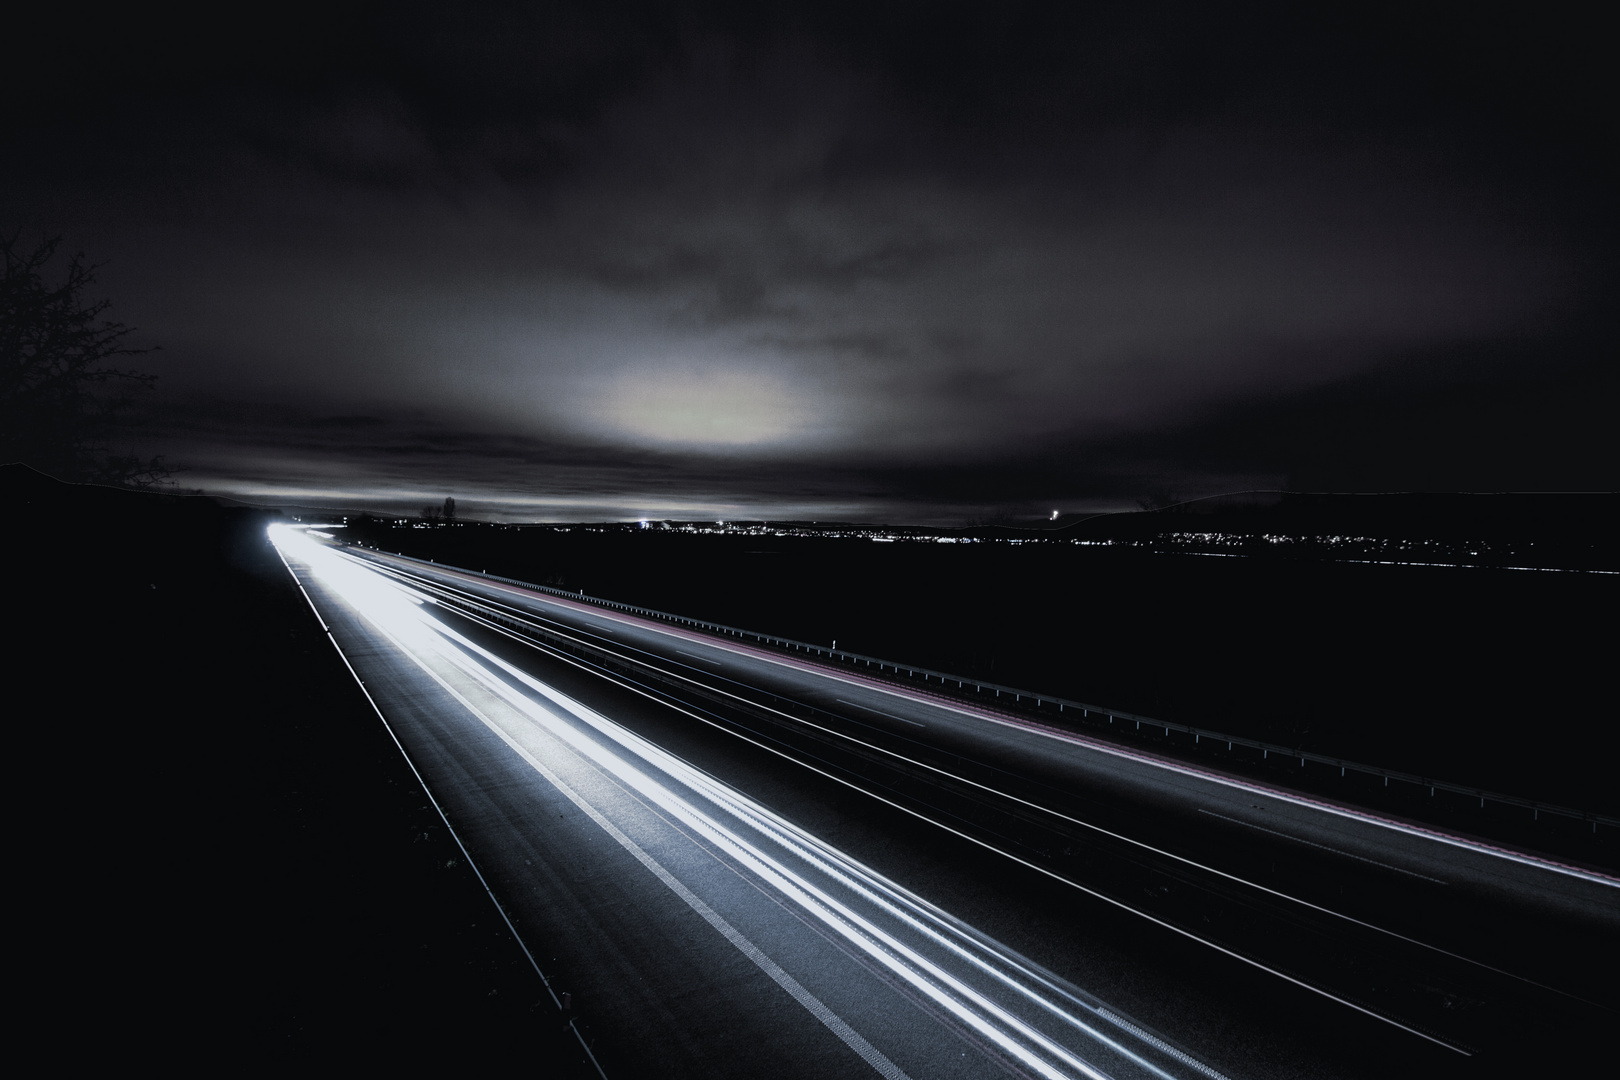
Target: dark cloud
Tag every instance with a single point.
(878, 260)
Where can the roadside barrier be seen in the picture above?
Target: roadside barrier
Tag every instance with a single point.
(1065, 707)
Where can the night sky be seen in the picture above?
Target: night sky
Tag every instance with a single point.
(906, 262)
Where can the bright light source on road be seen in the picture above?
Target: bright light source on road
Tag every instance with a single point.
(367, 591)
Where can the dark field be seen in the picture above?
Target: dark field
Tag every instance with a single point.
(1489, 677)
(233, 861)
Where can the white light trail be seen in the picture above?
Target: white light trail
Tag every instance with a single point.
(1026, 1013)
(914, 696)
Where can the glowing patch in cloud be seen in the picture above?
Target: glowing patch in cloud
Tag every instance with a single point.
(713, 407)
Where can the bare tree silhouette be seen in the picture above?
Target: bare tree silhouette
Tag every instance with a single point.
(60, 398)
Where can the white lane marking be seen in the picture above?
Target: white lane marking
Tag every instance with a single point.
(1324, 847)
(880, 712)
(701, 659)
(1153, 1040)
(812, 1004)
(851, 1038)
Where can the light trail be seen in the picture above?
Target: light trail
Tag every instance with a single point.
(1026, 1013)
(927, 699)
(922, 697)
(1324, 847)
(1066, 818)
(584, 1045)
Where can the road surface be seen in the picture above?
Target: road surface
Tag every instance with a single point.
(740, 859)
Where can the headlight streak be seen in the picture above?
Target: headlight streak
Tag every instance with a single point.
(813, 1005)
(458, 599)
(962, 1001)
(1106, 898)
(558, 1002)
(826, 859)
(803, 722)
(941, 918)
(924, 975)
(917, 913)
(417, 632)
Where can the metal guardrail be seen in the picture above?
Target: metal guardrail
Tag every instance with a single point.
(1064, 705)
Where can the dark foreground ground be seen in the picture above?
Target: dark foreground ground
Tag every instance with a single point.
(230, 860)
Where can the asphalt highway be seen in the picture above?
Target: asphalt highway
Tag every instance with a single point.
(730, 857)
